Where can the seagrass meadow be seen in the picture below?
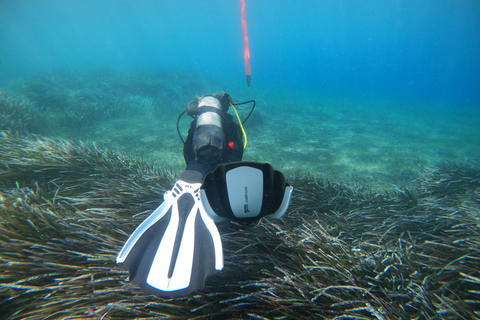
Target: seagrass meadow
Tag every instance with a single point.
(344, 250)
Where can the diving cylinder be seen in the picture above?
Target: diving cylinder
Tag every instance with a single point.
(208, 138)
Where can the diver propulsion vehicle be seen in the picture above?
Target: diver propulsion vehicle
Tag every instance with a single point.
(178, 246)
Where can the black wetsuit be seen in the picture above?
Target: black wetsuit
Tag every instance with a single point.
(232, 150)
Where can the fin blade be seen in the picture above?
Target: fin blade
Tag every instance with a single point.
(145, 225)
(159, 274)
(217, 240)
(173, 252)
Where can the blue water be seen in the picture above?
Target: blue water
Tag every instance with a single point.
(427, 50)
(353, 90)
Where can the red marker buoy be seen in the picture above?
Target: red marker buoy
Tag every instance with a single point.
(246, 49)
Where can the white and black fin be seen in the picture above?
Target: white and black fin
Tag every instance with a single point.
(245, 191)
(177, 247)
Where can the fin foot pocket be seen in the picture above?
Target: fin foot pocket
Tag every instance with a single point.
(245, 191)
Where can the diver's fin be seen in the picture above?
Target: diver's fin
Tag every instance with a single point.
(177, 247)
(245, 191)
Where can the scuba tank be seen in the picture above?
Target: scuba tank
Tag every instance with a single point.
(209, 137)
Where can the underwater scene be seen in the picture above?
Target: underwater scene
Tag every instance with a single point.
(370, 109)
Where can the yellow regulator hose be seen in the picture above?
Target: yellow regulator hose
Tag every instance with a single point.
(241, 126)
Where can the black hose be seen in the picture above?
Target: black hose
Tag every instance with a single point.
(178, 126)
(245, 102)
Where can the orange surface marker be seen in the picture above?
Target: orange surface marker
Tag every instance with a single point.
(246, 50)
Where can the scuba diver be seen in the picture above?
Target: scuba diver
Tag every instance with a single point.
(178, 246)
